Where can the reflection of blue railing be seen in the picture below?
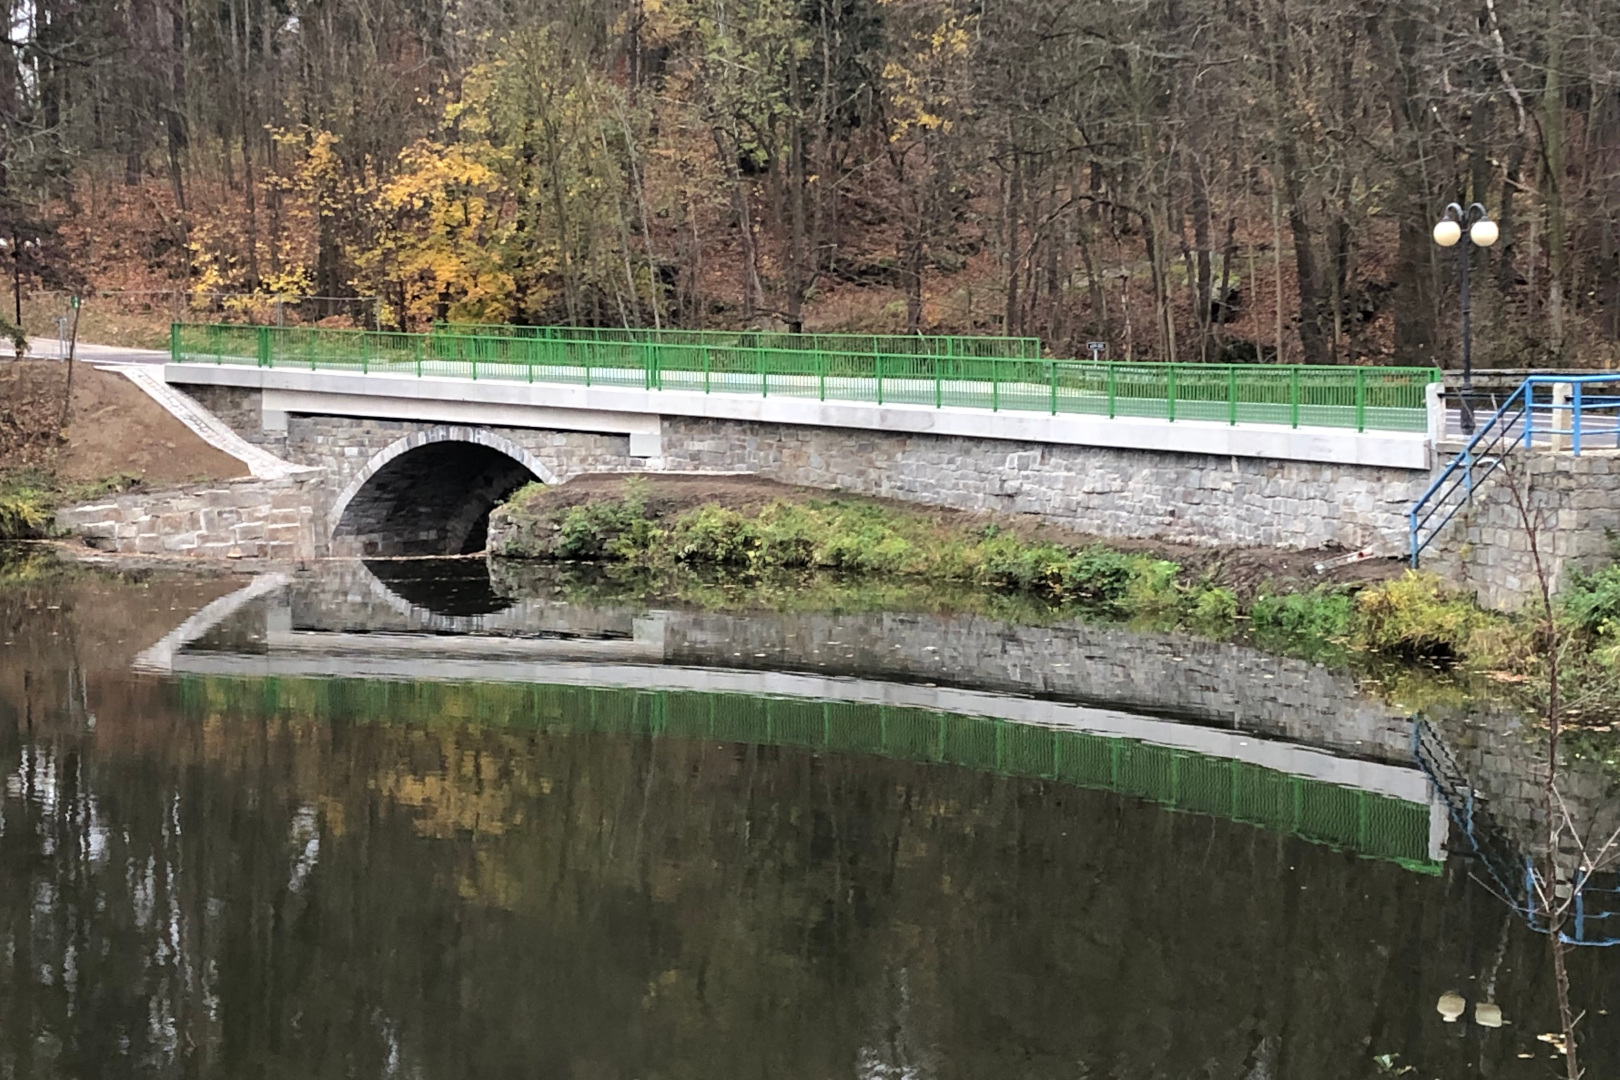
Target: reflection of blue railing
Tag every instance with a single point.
(1593, 916)
(1562, 411)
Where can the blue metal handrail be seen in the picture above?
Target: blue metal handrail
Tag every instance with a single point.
(1513, 425)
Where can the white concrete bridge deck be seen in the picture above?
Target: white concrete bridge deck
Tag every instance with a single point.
(638, 412)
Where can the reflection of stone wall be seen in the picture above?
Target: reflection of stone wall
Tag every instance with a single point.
(1506, 759)
(1176, 676)
(1172, 675)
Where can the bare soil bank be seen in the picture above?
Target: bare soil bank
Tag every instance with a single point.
(113, 430)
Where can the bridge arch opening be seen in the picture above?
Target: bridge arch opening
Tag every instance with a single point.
(430, 494)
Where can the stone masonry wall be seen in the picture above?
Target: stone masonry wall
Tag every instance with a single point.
(1575, 504)
(240, 408)
(1123, 493)
(343, 445)
(272, 519)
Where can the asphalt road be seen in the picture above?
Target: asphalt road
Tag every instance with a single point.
(48, 349)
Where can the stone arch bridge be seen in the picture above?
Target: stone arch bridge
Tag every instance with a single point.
(389, 463)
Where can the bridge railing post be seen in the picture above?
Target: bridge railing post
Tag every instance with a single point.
(1575, 417)
(1231, 394)
(1293, 396)
(1361, 399)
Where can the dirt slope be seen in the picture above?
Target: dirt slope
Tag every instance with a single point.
(114, 429)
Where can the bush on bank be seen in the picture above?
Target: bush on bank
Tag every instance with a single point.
(25, 514)
(1411, 617)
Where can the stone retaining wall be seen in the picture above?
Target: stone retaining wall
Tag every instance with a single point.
(1107, 492)
(1120, 493)
(1574, 504)
(271, 519)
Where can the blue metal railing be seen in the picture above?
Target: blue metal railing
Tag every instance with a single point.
(1541, 409)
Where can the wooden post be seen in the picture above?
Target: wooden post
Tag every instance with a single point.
(67, 396)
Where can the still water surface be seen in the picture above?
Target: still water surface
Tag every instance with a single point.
(327, 826)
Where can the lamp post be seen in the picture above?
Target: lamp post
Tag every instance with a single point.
(1474, 222)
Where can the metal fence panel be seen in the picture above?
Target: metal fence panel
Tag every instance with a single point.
(829, 368)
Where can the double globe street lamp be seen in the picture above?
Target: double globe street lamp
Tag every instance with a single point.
(1476, 225)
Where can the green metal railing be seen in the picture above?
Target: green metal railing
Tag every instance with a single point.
(1360, 398)
(1349, 819)
(952, 345)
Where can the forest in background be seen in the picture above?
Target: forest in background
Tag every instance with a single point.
(1187, 180)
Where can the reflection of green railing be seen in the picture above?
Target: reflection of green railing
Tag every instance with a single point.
(1369, 824)
(1361, 398)
(948, 345)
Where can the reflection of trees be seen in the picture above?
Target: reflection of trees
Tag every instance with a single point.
(269, 889)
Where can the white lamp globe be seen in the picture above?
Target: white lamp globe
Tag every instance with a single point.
(1484, 233)
(1447, 233)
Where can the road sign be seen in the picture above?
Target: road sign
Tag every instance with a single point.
(1097, 349)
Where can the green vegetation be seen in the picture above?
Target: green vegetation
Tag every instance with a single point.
(866, 539)
(1591, 603)
(24, 514)
(1416, 617)
(28, 497)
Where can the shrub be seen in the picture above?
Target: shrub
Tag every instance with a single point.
(1213, 607)
(713, 534)
(617, 529)
(24, 514)
(1416, 616)
(1591, 602)
(1323, 614)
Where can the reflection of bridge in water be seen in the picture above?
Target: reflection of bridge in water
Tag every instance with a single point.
(1197, 727)
(344, 644)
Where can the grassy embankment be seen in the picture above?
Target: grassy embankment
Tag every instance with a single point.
(1411, 617)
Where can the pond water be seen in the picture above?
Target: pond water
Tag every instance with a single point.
(412, 821)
